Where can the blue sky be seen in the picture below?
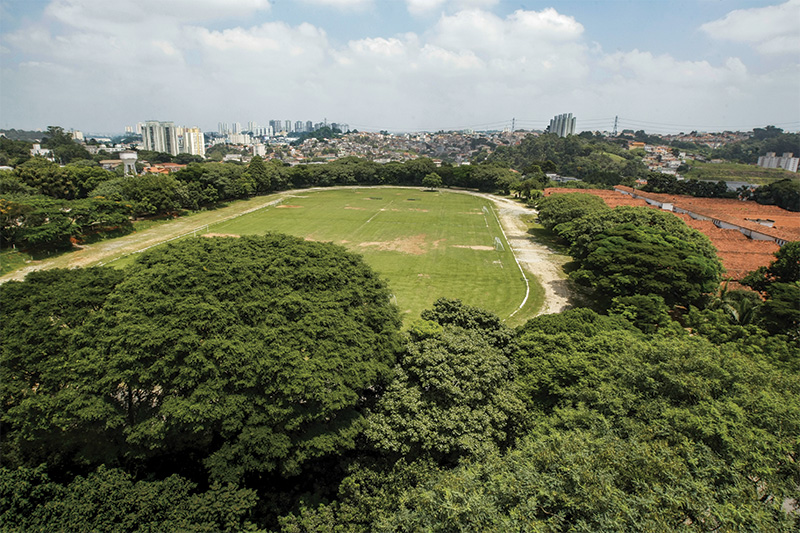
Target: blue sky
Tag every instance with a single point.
(401, 65)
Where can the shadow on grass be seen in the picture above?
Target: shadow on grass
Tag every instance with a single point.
(549, 239)
(570, 267)
(105, 235)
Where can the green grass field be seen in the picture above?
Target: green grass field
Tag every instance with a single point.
(425, 244)
(11, 260)
(736, 172)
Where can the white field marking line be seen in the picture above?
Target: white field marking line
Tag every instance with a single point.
(194, 231)
(521, 271)
(373, 216)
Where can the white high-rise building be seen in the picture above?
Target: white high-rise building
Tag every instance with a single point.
(562, 125)
(192, 141)
(287, 126)
(160, 137)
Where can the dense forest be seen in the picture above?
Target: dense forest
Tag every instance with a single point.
(266, 384)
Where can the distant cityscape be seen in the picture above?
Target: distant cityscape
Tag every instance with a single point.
(302, 142)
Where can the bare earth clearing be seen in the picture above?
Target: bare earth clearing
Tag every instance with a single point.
(535, 259)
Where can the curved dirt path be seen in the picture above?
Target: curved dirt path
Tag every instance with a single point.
(536, 260)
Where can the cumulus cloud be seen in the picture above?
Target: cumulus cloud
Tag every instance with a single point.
(116, 63)
(771, 29)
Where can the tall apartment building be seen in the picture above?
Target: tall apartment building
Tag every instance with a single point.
(160, 137)
(287, 126)
(298, 126)
(562, 125)
(191, 141)
(309, 125)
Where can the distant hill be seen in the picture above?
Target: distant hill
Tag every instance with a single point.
(23, 135)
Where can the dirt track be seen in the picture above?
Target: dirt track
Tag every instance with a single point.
(536, 259)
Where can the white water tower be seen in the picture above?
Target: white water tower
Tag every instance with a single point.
(129, 162)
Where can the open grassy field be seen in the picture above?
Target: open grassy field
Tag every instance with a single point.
(736, 172)
(425, 244)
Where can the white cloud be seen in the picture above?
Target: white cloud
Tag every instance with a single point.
(119, 65)
(423, 7)
(100, 15)
(238, 39)
(342, 4)
(378, 47)
(426, 7)
(772, 29)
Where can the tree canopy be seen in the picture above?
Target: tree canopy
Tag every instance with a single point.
(247, 355)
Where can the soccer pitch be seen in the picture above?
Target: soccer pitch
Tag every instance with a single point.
(426, 244)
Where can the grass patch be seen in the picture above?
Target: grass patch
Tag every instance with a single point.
(426, 246)
(11, 260)
(736, 172)
(547, 238)
(145, 224)
(614, 157)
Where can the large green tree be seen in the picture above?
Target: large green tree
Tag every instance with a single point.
(627, 260)
(257, 171)
(560, 208)
(246, 355)
(41, 317)
(112, 500)
(581, 231)
(453, 393)
(779, 284)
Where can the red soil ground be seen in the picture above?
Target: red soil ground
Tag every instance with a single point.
(738, 253)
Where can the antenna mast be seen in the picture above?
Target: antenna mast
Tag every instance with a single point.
(614, 133)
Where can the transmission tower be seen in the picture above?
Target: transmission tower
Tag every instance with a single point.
(513, 123)
(614, 133)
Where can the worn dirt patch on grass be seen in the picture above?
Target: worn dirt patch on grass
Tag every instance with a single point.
(356, 208)
(289, 207)
(414, 245)
(221, 235)
(484, 248)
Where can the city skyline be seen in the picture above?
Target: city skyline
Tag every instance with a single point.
(401, 65)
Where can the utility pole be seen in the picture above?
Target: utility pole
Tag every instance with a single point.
(614, 133)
